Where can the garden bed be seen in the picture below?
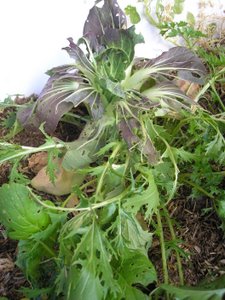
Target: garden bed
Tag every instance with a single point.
(199, 230)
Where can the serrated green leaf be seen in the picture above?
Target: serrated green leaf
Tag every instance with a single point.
(129, 234)
(13, 151)
(87, 256)
(52, 166)
(19, 213)
(10, 120)
(33, 293)
(135, 269)
(187, 293)
(149, 197)
(16, 176)
(29, 258)
(182, 155)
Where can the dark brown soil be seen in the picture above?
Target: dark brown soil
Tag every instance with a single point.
(11, 278)
(201, 239)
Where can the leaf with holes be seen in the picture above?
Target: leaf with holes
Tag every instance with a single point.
(141, 272)
(99, 19)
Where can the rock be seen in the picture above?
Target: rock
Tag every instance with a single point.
(64, 180)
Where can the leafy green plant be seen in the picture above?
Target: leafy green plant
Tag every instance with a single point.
(181, 29)
(140, 136)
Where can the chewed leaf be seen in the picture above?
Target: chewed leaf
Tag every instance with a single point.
(126, 130)
(78, 156)
(182, 58)
(118, 52)
(63, 91)
(170, 96)
(19, 213)
(95, 106)
(78, 55)
(140, 272)
(115, 88)
(122, 39)
(147, 148)
(101, 18)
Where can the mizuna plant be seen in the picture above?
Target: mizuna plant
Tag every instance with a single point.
(129, 152)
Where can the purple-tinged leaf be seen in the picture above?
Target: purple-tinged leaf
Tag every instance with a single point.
(126, 129)
(150, 152)
(147, 148)
(119, 52)
(139, 101)
(26, 117)
(121, 39)
(169, 94)
(61, 69)
(181, 58)
(63, 91)
(100, 18)
(78, 55)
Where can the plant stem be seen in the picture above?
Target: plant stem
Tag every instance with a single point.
(82, 187)
(217, 96)
(197, 187)
(112, 156)
(163, 248)
(208, 84)
(25, 150)
(90, 208)
(173, 235)
(76, 116)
